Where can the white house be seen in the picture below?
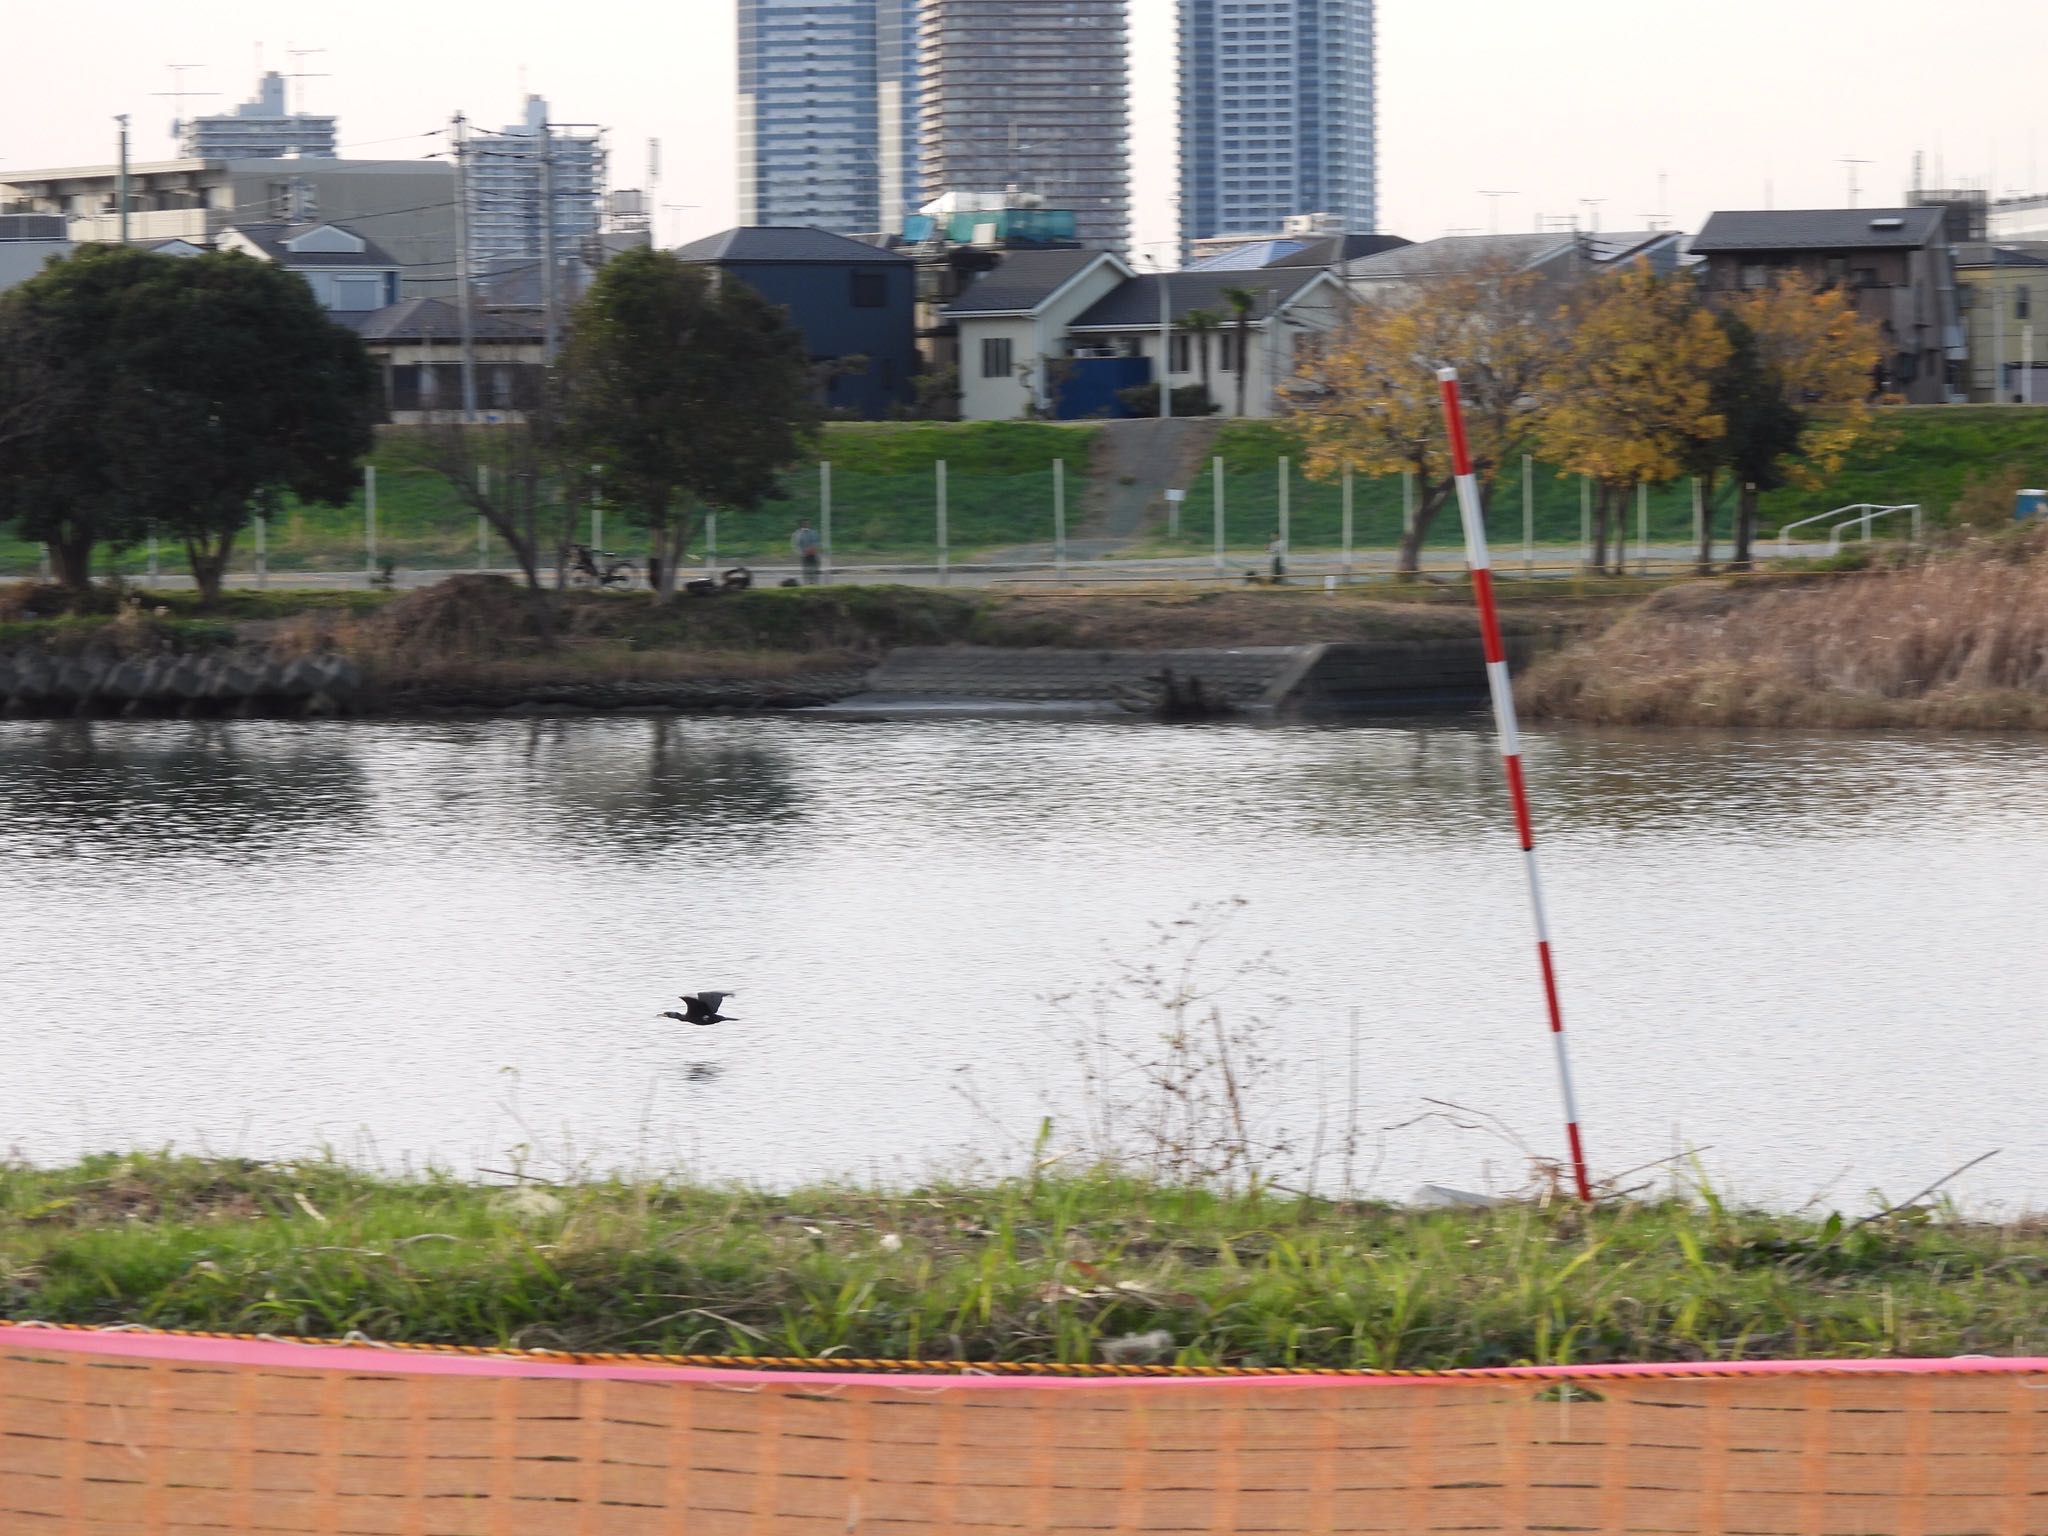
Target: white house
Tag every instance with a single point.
(1288, 307)
(1013, 324)
(1087, 310)
(348, 274)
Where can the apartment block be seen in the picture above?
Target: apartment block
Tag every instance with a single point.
(1278, 115)
(1031, 96)
(828, 113)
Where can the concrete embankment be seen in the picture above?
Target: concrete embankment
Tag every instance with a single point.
(1382, 677)
(218, 683)
(1375, 677)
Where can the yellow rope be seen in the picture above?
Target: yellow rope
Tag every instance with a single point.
(954, 1367)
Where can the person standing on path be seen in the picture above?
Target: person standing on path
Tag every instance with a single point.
(806, 544)
(1277, 548)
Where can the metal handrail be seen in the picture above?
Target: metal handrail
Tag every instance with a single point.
(1863, 512)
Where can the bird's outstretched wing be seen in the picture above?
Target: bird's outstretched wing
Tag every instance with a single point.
(711, 1000)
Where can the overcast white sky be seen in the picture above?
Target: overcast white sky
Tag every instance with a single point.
(1558, 102)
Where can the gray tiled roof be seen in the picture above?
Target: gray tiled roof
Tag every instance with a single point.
(799, 243)
(1320, 253)
(1462, 253)
(2001, 255)
(1135, 304)
(1819, 229)
(270, 239)
(434, 320)
(1022, 281)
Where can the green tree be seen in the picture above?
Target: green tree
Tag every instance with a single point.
(1761, 430)
(689, 391)
(1242, 303)
(177, 393)
(1820, 355)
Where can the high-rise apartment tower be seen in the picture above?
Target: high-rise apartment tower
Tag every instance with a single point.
(511, 178)
(262, 129)
(1031, 95)
(828, 113)
(1277, 114)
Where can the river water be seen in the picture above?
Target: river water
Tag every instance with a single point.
(1815, 959)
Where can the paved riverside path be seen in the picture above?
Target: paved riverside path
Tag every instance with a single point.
(1089, 564)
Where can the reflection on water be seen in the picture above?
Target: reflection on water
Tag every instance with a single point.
(148, 790)
(1811, 955)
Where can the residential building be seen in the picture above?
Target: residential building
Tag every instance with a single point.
(1561, 256)
(28, 241)
(1057, 333)
(406, 206)
(1031, 96)
(2004, 298)
(348, 274)
(2018, 218)
(955, 239)
(259, 129)
(1010, 328)
(510, 177)
(417, 347)
(1277, 114)
(828, 113)
(1311, 241)
(852, 301)
(1895, 264)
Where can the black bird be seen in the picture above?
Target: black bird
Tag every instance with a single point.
(702, 1009)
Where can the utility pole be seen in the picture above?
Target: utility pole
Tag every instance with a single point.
(464, 278)
(121, 179)
(1998, 303)
(548, 274)
(1165, 347)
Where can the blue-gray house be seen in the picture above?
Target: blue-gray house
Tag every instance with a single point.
(852, 302)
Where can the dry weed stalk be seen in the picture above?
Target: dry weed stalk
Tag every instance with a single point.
(1958, 642)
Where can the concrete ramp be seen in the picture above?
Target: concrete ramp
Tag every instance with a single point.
(1388, 677)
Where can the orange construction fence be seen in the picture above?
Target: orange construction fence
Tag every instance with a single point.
(145, 1434)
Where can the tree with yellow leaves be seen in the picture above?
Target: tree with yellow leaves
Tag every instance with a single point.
(1818, 358)
(1369, 400)
(1632, 400)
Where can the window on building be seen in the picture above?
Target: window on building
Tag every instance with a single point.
(1182, 352)
(870, 290)
(995, 357)
(2022, 303)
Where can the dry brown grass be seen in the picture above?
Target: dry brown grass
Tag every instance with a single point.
(1958, 642)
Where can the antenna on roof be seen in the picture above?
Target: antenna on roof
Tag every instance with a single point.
(1493, 209)
(1851, 162)
(296, 73)
(178, 93)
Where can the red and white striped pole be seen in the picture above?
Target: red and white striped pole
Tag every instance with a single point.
(1497, 683)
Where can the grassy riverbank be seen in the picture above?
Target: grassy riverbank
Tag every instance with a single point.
(486, 631)
(1958, 640)
(1038, 1269)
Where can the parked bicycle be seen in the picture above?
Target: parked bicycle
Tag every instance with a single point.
(600, 568)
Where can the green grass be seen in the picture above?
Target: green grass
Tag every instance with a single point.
(1040, 1269)
(1923, 454)
(999, 492)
